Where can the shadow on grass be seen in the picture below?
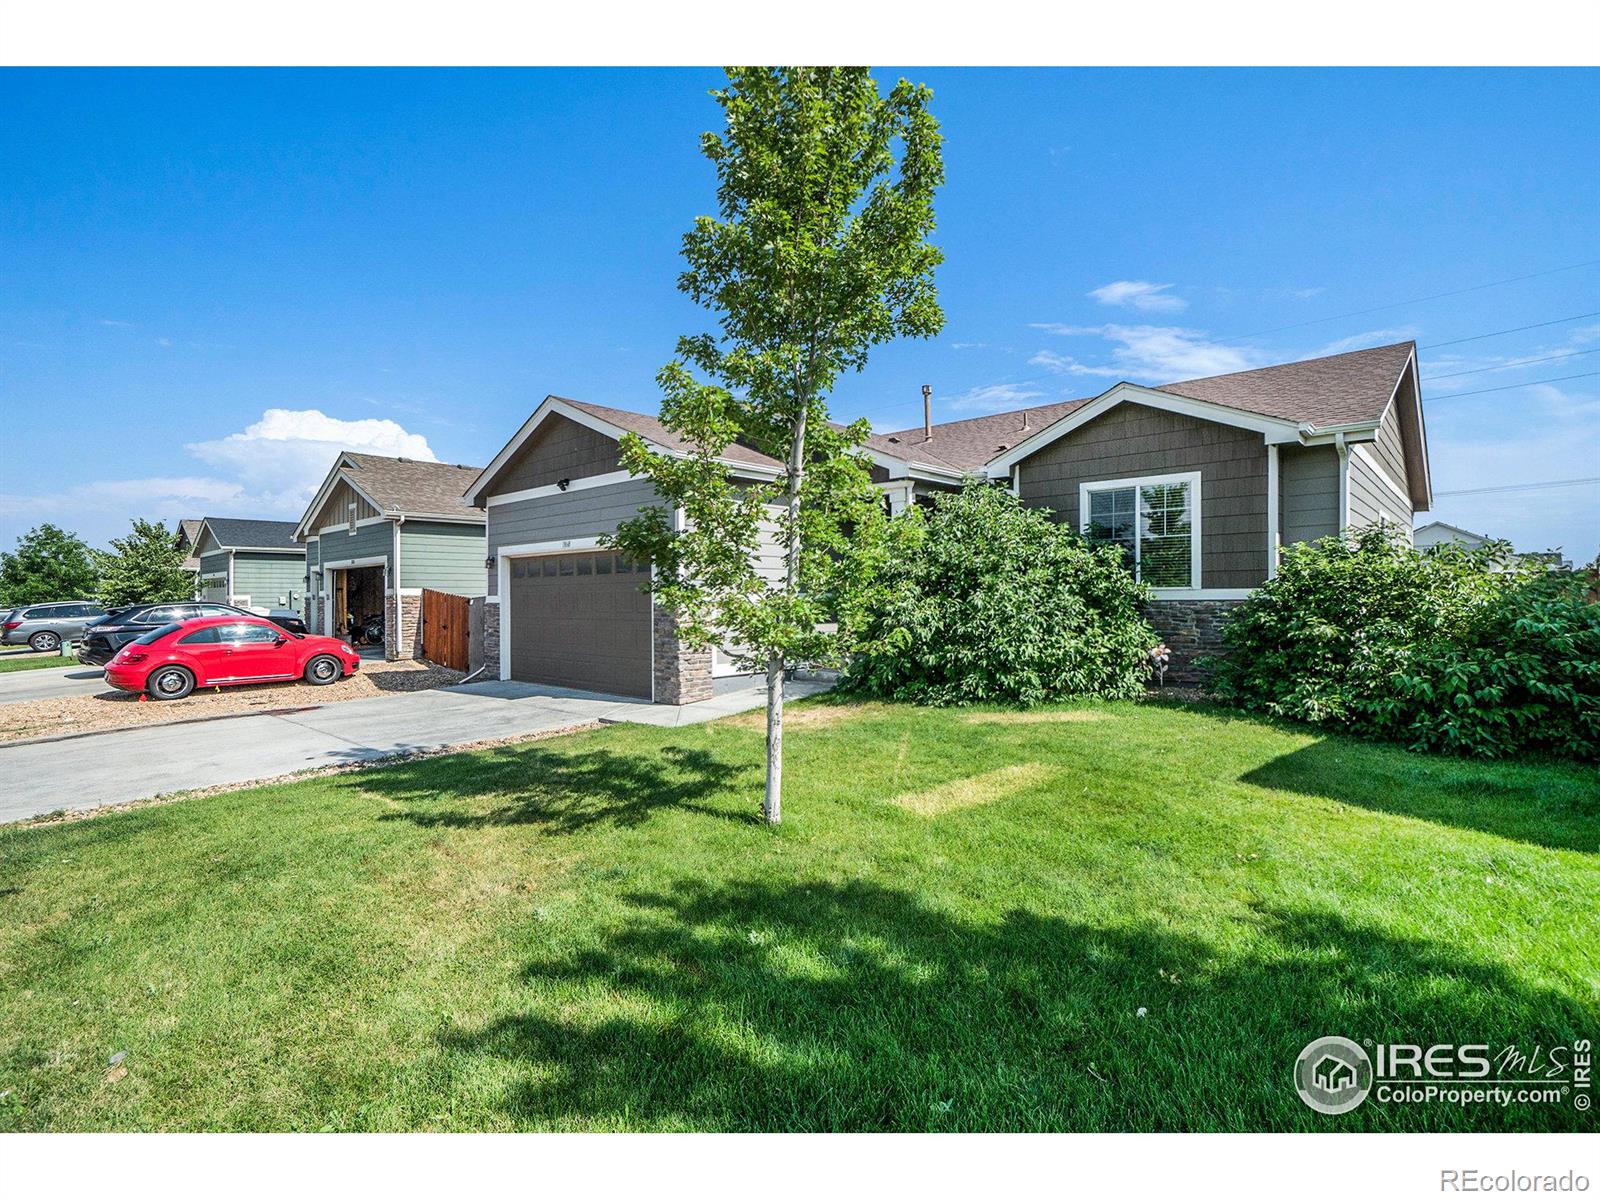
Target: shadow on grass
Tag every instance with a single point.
(856, 1007)
(1498, 798)
(561, 792)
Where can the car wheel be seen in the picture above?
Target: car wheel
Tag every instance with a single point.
(324, 669)
(45, 640)
(170, 683)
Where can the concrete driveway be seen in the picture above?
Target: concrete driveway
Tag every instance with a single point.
(133, 764)
(51, 683)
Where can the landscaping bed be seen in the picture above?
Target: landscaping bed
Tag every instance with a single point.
(1117, 916)
(113, 709)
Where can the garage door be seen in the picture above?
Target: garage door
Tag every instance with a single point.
(580, 621)
(214, 590)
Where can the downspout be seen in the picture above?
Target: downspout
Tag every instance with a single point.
(1344, 481)
(230, 576)
(1272, 510)
(399, 600)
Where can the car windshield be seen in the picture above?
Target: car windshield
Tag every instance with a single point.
(155, 635)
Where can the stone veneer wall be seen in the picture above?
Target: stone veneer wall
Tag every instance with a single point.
(682, 675)
(491, 640)
(402, 638)
(1191, 629)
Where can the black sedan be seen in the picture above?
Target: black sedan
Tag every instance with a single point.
(103, 638)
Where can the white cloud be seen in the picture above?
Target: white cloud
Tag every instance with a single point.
(1162, 353)
(1137, 294)
(270, 469)
(1065, 364)
(994, 397)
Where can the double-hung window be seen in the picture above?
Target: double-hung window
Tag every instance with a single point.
(1156, 521)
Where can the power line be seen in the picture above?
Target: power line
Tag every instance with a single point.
(1361, 312)
(1507, 387)
(1518, 487)
(1521, 362)
(1478, 337)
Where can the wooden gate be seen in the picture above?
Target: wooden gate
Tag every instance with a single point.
(445, 628)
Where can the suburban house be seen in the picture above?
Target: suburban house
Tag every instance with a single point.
(1202, 482)
(1437, 533)
(249, 563)
(378, 532)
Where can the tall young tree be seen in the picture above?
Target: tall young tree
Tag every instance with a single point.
(819, 252)
(48, 564)
(145, 567)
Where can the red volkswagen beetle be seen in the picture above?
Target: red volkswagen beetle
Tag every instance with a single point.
(172, 661)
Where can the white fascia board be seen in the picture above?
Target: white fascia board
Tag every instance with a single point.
(334, 476)
(450, 518)
(907, 468)
(268, 550)
(345, 564)
(344, 526)
(1370, 461)
(557, 406)
(1271, 428)
(551, 489)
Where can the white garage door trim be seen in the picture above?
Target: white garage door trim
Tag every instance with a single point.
(503, 556)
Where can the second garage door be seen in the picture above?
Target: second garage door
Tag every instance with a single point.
(580, 621)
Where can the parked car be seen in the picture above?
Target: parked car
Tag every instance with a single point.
(103, 638)
(170, 662)
(46, 626)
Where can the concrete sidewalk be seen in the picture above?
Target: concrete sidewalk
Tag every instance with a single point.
(134, 764)
(51, 683)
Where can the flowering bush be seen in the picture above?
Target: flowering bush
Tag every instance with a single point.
(989, 601)
(1470, 652)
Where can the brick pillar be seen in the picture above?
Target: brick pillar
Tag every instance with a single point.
(491, 640)
(1191, 629)
(682, 675)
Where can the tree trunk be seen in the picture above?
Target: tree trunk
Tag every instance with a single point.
(772, 805)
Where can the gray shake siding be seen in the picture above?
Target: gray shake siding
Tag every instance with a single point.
(565, 515)
(559, 449)
(1133, 440)
(1308, 478)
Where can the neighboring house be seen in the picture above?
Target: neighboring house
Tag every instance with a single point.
(378, 532)
(250, 563)
(1202, 481)
(188, 537)
(1437, 533)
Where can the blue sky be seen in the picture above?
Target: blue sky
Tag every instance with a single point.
(211, 279)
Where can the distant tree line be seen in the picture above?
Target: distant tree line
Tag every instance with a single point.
(50, 563)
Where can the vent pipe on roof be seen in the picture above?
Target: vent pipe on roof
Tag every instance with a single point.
(927, 412)
(1024, 420)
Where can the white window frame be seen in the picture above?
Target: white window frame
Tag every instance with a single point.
(1192, 480)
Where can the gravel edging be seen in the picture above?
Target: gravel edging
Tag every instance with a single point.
(68, 816)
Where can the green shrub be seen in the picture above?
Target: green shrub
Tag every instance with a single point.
(1470, 652)
(988, 601)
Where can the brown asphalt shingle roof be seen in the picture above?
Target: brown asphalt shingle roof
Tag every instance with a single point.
(653, 430)
(1337, 390)
(405, 485)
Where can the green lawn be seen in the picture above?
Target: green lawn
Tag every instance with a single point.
(26, 660)
(955, 929)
